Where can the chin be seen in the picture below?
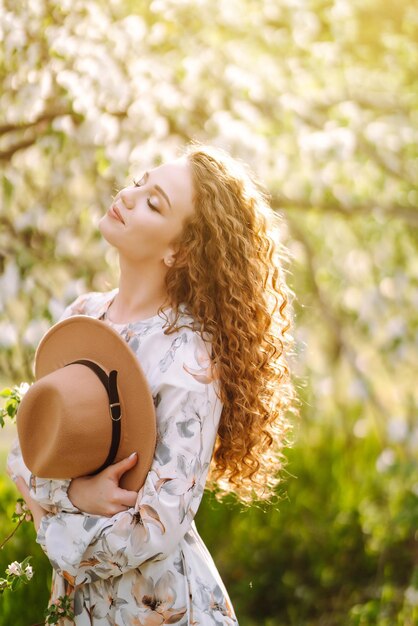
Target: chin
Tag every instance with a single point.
(107, 231)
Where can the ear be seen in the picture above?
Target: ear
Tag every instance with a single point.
(169, 260)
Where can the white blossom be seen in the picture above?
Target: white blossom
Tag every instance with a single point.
(22, 389)
(14, 569)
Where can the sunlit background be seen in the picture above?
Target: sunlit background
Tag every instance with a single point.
(320, 97)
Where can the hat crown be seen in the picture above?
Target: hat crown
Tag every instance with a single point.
(71, 405)
(64, 421)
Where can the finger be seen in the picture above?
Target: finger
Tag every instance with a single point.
(117, 469)
(22, 486)
(126, 498)
(121, 508)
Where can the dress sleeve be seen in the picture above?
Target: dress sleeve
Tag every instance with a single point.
(83, 548)
(52, 495)
(15, 465)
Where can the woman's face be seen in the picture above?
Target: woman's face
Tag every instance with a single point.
(145, 218)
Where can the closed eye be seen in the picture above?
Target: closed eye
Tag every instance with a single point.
(152, 206)
(139, 183)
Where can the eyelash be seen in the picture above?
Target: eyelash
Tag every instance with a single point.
(139, 183)
(151, 206)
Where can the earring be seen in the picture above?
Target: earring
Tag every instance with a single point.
(169, 261)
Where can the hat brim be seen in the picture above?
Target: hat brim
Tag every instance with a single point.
(83, 337)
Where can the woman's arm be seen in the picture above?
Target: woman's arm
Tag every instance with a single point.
(86, 547)
(95, 495)
(109, 497)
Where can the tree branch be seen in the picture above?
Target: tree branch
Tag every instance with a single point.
(45, 117)
(35, 128)
(6, 155)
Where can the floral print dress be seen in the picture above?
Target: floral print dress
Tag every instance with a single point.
(146, 566)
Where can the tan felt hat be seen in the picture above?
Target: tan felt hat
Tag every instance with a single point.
(89, 407)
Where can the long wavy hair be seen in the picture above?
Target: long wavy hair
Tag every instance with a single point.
(229, 272)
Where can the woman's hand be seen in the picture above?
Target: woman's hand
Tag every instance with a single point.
(101, 494)
(37, 511)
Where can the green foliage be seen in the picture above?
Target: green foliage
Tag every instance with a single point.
(26, 605)
(338, 546)
(57, 610)
(13, 397)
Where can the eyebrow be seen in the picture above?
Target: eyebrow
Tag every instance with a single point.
(161, 191)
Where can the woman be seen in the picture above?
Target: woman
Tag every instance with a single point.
(202, 301)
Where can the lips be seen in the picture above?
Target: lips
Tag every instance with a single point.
(114, 212)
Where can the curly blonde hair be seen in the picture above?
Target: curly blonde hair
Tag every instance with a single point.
(229, 273)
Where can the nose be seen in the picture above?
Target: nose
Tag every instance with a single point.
(127, 197)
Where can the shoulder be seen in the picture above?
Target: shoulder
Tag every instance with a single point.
(91, 303)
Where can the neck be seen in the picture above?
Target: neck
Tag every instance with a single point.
(141, 292)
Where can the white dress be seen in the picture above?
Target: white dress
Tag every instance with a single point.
(150, 568)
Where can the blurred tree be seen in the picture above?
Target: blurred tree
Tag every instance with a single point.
(320, 97)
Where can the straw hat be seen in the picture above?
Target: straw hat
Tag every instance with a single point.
(89, 407)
